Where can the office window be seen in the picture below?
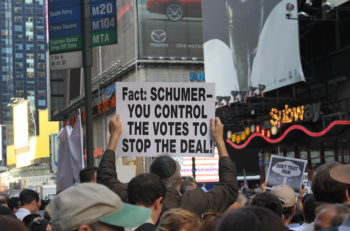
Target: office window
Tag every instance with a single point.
(18, 28)
(42, 93)
(30, 74)
(17, 19)
(20, 93)
(19, 55)
(42, 102)
(19, 47)
(41, 65)
(41, 74)
(30, 84)
(29, 47)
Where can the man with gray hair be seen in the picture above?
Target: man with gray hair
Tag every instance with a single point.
(218, 199)
(93, 207)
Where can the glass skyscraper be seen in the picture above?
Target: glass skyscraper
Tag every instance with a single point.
(23, 54)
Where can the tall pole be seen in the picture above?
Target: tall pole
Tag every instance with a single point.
(87, 63)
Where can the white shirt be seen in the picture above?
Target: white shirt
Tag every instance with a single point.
(21, 213)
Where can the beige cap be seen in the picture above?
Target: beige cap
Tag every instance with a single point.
(341, 173)
(285, 194)
(88, 203)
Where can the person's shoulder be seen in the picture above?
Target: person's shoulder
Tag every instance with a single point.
(146, 227)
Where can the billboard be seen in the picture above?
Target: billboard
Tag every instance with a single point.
(170, 29)
(21, 125)
(255, 44)
(1, 141)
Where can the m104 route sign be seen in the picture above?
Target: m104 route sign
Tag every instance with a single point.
(103, 22)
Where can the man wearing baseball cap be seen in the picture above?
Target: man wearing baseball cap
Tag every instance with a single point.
(93, 207)
(341, 173)
(197, 201)
(288, 199)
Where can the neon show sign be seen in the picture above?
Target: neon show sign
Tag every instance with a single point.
(286, 115)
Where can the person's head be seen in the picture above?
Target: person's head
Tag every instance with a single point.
(147, 190)
(29, 199)
(251, 218)
(239, 203)
(341, 174)
(178, 220)
(325, 188)
(168, 170)
(40, 224)
(6, 211)
(8, 223)
(3, 199)
(93, 207)
(13, 204)
(309, 207)
(88, 175)
(29, 218)
(288, 199)
(210, 221)
(268, 201)
(330, 215)
(188, 183)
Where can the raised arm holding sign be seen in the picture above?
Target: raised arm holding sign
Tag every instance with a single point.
(198, 201)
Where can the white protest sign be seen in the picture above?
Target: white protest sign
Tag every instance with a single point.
(286, 170)
(165, 118)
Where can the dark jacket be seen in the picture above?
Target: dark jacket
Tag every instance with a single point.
(198, 201)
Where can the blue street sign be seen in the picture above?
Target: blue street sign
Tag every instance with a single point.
(54, 4)
(103, 9)
(92, 1)
(64, 14)
(65, 29)
(103, 23)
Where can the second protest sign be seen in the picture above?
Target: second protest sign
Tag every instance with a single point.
(165, 118)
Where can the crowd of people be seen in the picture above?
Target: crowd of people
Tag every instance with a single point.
(162, 200)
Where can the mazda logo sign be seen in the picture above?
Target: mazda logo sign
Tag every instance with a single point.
(158, 36)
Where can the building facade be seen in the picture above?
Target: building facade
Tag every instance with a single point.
(23, 56)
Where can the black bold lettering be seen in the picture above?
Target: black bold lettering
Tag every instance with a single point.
(125, 92)
(201, 94)
(147, 144)
(183, 146)
(185, 129)
(131, 109)
(156, 128)
(125, 147)
(153, 94)
(157, 111)
(203, 129)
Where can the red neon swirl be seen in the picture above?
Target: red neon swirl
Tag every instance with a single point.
(291, 128)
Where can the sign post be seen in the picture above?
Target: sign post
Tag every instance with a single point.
(87, 62)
